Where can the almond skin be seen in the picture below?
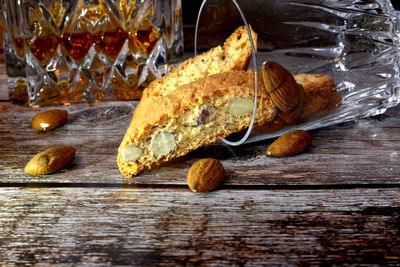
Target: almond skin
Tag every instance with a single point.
(281, 86)
(49, 119)
(50, 160)
(289, 144)
(291, 117)
(205, 175)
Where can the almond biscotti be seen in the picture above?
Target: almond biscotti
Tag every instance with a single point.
(199, 113)
(320, 95)
(233, 55)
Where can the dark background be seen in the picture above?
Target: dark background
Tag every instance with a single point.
(190, 8)
(220, 17)
(396, 4)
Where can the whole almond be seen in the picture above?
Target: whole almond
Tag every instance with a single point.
(281, 86)
(293, 116)
(205, 175)
(50, 160)
(289, 144)
(50, 119)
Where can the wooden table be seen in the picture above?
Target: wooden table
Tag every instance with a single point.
(338, 203)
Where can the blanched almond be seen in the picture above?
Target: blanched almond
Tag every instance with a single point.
(241, 106)
(131, 153)
(164, 143)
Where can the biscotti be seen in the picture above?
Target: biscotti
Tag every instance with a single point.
(208, 98)
(233, 55)
(320, 95)
(191, 116)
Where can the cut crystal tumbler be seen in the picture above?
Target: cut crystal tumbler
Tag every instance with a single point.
(88, 50)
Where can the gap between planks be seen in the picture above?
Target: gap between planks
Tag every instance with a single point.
(180, 187)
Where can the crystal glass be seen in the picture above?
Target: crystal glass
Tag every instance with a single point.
(357, 42)
(70, 51)
(14, 55)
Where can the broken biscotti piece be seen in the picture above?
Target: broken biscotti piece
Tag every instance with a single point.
(318, 96)
(199, 113)
(233, 55)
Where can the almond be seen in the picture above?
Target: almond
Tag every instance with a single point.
(241, 107)
(164, 143)
(131, 153)
(289, 144)
(281, 86)
(293, 116)
(205, 175)
(50, 160)
(49, 119)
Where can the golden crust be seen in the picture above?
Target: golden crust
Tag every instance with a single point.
(233, 55)
(214, 92)
(211, 80)
(312, 81)
(320, 95)
(156, 108)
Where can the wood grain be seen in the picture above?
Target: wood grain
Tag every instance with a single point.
(177, 227)
(337, 204)
(361, 152)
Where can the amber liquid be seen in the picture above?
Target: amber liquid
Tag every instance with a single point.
(43, 48)
(19, 45)
(143, 41)
(111, 42)
(77, 45)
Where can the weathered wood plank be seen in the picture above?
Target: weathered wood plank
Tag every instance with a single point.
(359, 152)
(177, 227)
